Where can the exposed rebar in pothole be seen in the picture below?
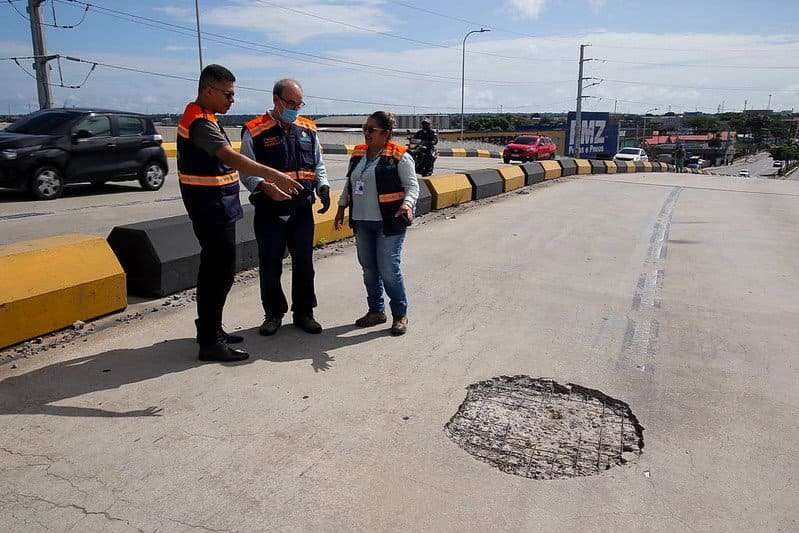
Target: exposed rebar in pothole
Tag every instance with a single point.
(540, 429)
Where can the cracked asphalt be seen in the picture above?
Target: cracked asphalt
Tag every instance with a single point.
(676, 294)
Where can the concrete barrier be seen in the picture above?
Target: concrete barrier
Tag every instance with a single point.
(639, 166)
(625, 166)
(485, 183)
(162, 256)
(324, 227)
(568, 166)
(484, 153)
(611, 167)
(552, 169)
(49, 284)
(445, 152)
(534, 172)
(458, 152)
(336, 149)
(472, 152)
(648, 166)
(583, 166)
(598, 166)
(449, 190)
(513, 176)
(424, 204)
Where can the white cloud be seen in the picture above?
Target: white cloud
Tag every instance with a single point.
(176, 11)
(293, 27)
(528, 8)
(597, 5)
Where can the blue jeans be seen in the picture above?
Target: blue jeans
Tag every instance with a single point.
(380, 259)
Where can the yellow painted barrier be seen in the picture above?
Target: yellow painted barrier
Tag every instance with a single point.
(483, 153)
(350, 148)
(552, 169)
(513, 176)
(611, 167)
(49, 284)
(459, 152)
(583, 166)
(629, 165)
(449, 189)
(324, 229)
(648, 167)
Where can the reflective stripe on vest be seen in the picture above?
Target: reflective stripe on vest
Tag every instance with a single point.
(302, 175)
(209, 181)
(391, 197)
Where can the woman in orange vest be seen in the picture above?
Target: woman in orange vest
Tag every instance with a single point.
(381, 192)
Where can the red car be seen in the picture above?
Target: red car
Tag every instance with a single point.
(529, 148)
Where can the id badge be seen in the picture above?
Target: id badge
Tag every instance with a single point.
(358, 189)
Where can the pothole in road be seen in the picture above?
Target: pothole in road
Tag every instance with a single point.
(540, 429)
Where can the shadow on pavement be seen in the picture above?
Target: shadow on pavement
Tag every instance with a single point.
(8, 196)
(35, 392)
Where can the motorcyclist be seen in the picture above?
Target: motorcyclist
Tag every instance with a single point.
(427, 138)
(427, 135)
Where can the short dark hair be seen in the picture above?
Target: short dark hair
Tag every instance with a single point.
(215, 74)
(280, 86)
(385, 120)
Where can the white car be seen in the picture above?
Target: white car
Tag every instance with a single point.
(777, 164)
(744, 173)
(631, 154)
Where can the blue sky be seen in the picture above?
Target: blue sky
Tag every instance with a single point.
(674, 55)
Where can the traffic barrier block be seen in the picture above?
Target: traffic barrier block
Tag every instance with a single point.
(472, 152)
(639, 166)
(483, 153)
(552, 169)
(611, 167)
(598, 166)
(485, 183)
(648, 167)
(449, 190)
(534, 172)
(424, 204)
(444, 152)
(324, 226)
(49, 284)
(568, 167)
(625, 166)
(162, 256)
(458, 152)
(350, 148)
(513, 176)
(335, 149)
(583, 166)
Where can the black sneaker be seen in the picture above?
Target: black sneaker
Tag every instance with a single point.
(222, 353)
(270, 326)
(307, 323)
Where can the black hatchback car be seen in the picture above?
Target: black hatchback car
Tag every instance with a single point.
(43, 151)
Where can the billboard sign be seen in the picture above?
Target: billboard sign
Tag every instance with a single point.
(600, 136)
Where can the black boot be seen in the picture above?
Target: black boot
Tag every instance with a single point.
(306, 322)
(221, 335)
(221, 352)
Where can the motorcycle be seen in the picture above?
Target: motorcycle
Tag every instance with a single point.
(423, 155)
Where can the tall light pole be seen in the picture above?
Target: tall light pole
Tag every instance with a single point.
(643, 139)
(463, 74)
(199, 40)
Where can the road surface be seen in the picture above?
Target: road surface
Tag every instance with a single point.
(678, 294)
(86, 210)
(758, 165)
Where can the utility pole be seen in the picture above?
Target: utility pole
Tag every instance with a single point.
(463, 75)
(199, 40)
(746, 102)
(769, 102)
(579, 112)
(40, 54)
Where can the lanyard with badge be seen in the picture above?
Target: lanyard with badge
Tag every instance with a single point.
(358, 188)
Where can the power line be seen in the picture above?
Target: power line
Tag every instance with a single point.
(53, 24)
(314, 58)
(658, 48)
(684, 65)
(703, 88)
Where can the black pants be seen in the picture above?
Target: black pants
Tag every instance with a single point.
(217, 268)
(274, 235)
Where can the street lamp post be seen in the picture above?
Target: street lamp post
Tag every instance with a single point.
(645, 114)
(463, 74)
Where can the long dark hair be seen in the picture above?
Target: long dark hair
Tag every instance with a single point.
(385, 120)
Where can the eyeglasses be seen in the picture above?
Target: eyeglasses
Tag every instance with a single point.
(227, 94)
(292, 104)
(370, 129)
